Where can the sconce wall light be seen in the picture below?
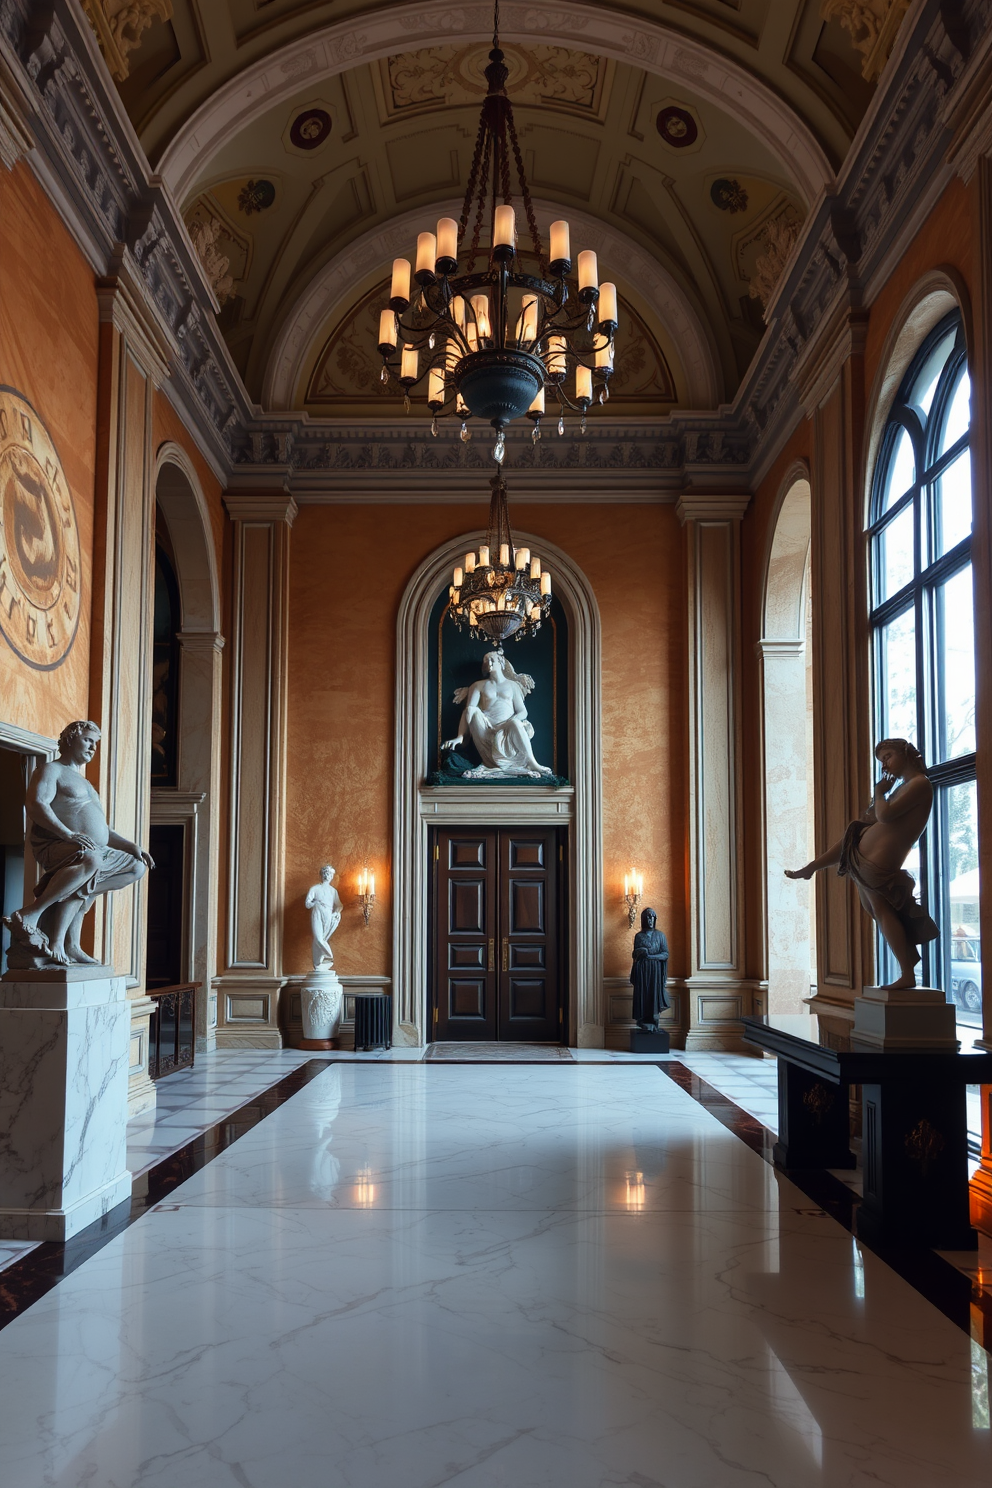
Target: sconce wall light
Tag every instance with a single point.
(366, 893)
(633, 893)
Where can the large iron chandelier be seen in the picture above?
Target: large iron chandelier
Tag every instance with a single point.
(491, 344)
(501, 591)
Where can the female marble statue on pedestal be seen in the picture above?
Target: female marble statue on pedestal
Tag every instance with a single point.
(324, 905)
(649, 973)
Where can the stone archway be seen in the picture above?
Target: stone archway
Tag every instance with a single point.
(194, 802)
(787, 738)
(415, 806)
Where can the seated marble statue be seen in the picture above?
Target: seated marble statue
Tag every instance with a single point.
(649, 973)
(495, 717)
(874, 848)
(80, 854)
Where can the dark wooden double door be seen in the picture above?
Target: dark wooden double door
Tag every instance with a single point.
(497, 911)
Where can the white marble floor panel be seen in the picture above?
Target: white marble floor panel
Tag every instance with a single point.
(657, 1309)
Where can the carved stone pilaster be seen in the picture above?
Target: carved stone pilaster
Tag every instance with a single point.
(717, 993)
(248, 1003)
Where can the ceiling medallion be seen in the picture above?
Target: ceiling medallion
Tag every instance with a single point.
(501, 591)
(310, 128)
(677, 127)
(491, 343)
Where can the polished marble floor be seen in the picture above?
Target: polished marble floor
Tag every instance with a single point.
(418, 1274)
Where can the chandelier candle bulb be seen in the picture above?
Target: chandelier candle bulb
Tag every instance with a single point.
(459, 578)
(435, 387)
(447, 241)
(608, 304)
(426, 256)
(530, 318)
(409, 364)
(560, 250)
(536, 409)
(604, 357)
(504, 555)
(520, 559)
(387, 329)
(480, 304)
(545, 583)
(557, 365)
(400, 287)
(505, 229)
(535, 568)
(483, 556)
(458, 311)
(583, 385)
(588, 270)
(470, 563)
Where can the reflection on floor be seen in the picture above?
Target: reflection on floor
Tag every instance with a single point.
(419, 1274)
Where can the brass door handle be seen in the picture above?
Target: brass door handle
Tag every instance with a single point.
(492, 955)
(506, 953)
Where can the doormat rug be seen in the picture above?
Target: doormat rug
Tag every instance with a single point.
(481, 1053)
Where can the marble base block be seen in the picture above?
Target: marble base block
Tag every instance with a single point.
(649, 1043)
(912, 1018)
(64, 1054)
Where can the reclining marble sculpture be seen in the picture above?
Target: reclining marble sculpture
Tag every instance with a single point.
(80, 855)
(875, 847)
(495, 717)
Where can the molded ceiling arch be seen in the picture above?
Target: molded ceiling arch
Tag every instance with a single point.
(636, 40)
(337, 282)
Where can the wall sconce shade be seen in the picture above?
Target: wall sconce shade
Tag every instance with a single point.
(633, 893)
(366, 893)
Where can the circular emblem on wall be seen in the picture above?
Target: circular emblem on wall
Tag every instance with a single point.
(310, 128)
(677, 127)
(39, 540)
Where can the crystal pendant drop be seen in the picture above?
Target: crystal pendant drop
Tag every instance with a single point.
(582, 424)
(499, 448)
(384, 375)
(430, 341)
(602, 395)
(406, 402)
(591, 317)
(465, 434)
(535, 434)
(606, 392)
(434, 426)
(561, 424)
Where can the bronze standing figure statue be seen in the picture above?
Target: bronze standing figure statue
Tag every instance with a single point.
(875, 847)
(649, 973)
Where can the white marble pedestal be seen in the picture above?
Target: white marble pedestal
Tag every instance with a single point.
(64, 1047)
(320, 1009)
(912, 1018)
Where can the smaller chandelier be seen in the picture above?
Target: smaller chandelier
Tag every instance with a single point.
(501, 591)
(492, 342)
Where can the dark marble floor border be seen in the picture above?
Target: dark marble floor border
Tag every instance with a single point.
(929, 1273)
(25, 1281)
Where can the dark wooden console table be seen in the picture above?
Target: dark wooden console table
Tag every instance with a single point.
(914, 1127)
(172, 1029)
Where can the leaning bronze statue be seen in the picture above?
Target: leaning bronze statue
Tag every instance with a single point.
(875, 847)
(80, 855)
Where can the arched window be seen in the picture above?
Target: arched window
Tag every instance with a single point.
(922, 623)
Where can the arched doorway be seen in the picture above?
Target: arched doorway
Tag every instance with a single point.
(418, 807)
(185, 794)
(790, 952)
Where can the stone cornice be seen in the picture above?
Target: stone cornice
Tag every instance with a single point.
(261, 506)
(697, 507)
(60, 110)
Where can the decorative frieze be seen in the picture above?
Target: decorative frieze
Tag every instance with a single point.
(120, 26)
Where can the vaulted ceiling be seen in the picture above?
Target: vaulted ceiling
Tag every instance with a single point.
(307, 144)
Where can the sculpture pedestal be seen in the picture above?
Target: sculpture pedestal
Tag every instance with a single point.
(650, 1043)
(320, 1010)
(64, 1052)
(913, 1018)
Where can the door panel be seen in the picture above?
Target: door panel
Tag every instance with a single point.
(465, 936)
(496, 935)
(529, 993)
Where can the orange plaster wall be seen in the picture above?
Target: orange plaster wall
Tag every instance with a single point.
(341, 666)
(49, 341)
(946, 240)
(167, 425)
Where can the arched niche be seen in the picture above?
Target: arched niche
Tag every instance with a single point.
(786, 706)
(191, 807)
(417, 805)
